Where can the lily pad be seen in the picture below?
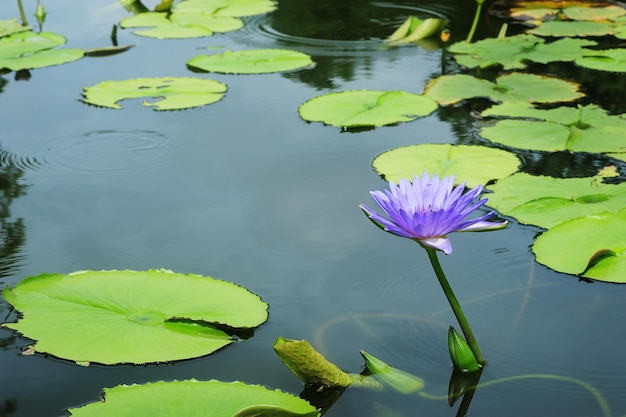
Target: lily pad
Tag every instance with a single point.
(192, 398)
(573, 28)
(177, 93)
(572, 9)
(592, 247)
(527, 88)
(612, 60)
(27, 50)
(582, 129)
(473, 164)
(547, 201)
(226, 8)
(256, 61)
(180, 25)
(513, 52)
(112, 317)
(10, 26)
(366, 108)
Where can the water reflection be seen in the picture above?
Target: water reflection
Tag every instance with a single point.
(12, 234)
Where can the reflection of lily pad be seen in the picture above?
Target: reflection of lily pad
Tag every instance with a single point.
(179, 25)
(226, 8)
(528, 88)
(366, 108)
(473, 164)
(582, 129)
(512, 52)
(592, 246)
(177, 93)
(114, 317)
(547, 201)
(26, 50)
(193, 398)
(257, 61)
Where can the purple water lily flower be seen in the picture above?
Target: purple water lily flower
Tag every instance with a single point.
(428, 209)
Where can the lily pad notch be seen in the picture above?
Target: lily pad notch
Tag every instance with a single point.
(137, 317)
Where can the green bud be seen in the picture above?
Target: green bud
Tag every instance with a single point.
(40, 14)
(396, 379)
(461, 354)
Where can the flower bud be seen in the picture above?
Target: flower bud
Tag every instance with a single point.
(460, 352)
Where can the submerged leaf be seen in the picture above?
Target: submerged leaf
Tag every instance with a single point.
(177, 93)
(591, 246)
(193, 398)
(112, 317)
(396, 379)
(473, 164)
(366, 108)
(255, 61)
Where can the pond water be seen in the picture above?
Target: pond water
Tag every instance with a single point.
(245, 191)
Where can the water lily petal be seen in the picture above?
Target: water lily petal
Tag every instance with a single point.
(439, 243)
(483, 226)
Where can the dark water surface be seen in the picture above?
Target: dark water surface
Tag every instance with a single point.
(245, 191)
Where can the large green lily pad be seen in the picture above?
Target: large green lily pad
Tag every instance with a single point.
(547, 201)
(513, 52)
(177, 93)
(527, 88)
(255, 61)
(112, 317)
(573, 28)
(226, 8)
(591, 246)
(366, 108)
(472, 164)
(180, 25)
(27, 50)
(192, 398)
(582, 129)
(572, 9)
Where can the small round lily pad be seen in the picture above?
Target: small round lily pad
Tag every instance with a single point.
(362, 108)
(254, 61)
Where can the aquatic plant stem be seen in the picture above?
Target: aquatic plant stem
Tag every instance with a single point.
(22, 14)
(479, 6)
(454, 303)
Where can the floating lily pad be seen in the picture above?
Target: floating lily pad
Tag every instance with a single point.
(366, 108)
(256, 61)
(513, 52)
(177, 93)
(226, 8)
(10, 26)
(592, 247)
(572, 9)
(546, 201)
(612, 60)
(473, 164)
(27, 50)
(527, 88)
(137, 317)
(180, 25)
(582, 129)
(191, 398)
(571, 28)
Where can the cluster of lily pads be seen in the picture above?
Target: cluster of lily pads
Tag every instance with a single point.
(106, 317)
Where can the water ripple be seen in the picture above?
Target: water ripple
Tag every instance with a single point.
(101, 151)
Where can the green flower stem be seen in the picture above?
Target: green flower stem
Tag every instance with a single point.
(479, 6)
(456, 307)
(22, 14)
